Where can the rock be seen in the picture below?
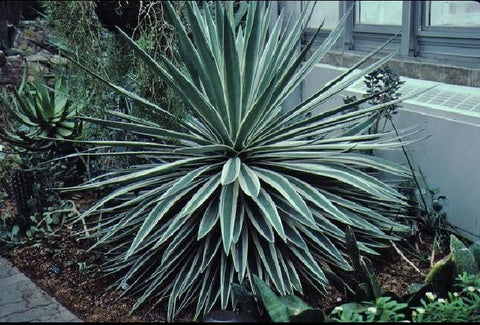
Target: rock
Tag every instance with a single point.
(14, 58)
(38, 57)
(3, 59)
(57, 59)
(35, 67)
(11, 72)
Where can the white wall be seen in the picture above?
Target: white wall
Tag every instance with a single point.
(449, 158)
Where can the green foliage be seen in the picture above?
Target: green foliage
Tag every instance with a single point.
(38, 212)
(242, 187)
(76, 29)
(369, 288)
(280, 309)
(475, 249)
(383, 309)
(461, 305)
(51, 221)
(460, 259)
(39, 115)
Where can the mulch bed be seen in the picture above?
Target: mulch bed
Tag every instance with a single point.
(81, 287)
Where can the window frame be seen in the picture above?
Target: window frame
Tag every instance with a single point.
(415, 39)
(442, 31)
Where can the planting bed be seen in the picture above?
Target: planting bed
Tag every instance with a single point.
(80, 286)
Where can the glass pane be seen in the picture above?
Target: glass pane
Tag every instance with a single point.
(453, 13)
(327, 10)
(378, 12)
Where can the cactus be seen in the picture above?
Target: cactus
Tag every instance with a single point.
(20, 188)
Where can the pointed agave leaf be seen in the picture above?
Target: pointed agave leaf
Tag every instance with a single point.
(210, 251)
(186, 90)
(226, 278)
(263, 227)
(233, 83)
(210, 218)
(294, 236)
(180, 283)
(142, 174)
(269, 211)
(195, 202)
(252, 48)
(249, 181)
(240, 255)
(268, 256)
(314, 196)
(239, 217)
(283, 186)
(206, 64)
(205, 292)
(328, 248)
(154, 217)
(285, 207)
(214, 148)
(180, 238)
(146, 130)
(228, 208)
(230, 170)
(309, 262)
(359, 180)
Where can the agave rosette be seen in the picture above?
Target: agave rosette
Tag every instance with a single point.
(244, 186)
(40, 115)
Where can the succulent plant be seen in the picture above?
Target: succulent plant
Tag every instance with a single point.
(246, 186)
(39, 115)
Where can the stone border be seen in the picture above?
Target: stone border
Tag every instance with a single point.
(21, 300)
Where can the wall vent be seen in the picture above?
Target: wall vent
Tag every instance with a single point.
(445, 97)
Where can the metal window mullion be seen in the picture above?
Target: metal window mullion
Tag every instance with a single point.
(348, 42)
(408, 37)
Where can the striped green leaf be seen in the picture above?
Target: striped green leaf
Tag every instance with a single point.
(230, 171)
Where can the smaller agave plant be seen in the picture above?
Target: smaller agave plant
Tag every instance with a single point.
(39, 115)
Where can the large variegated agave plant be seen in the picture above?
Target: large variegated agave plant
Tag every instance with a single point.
(245, 186)
(39, 115)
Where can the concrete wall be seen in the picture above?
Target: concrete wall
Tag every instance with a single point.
(449, 158)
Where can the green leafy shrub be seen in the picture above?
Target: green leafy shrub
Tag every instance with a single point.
(280, 309)
(77, 31)
(460, 259)
(40, 119)
(461, 305)
(38, 211)
(383, 309)
(244, 187)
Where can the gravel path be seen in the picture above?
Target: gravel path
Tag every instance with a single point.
(21, 300)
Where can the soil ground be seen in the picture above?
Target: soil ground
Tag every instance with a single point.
(64, 267)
